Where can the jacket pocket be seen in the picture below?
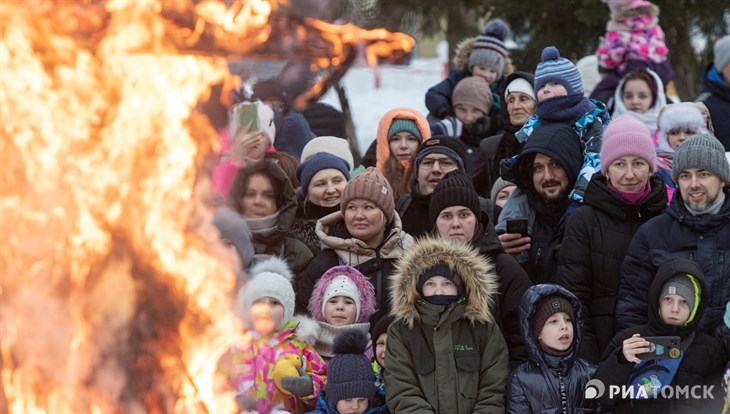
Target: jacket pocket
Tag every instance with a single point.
(424, 366)
(467, 367)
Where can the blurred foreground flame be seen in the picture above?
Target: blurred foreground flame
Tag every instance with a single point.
(113, 293)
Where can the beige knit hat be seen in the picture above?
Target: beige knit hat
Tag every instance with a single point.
(372, 186)
(473, 91)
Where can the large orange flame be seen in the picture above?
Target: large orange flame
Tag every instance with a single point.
(114, 295)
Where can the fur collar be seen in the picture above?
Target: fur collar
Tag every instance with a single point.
(461, 57)
(476, 271)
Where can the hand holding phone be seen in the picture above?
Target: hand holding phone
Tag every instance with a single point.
(661, 347)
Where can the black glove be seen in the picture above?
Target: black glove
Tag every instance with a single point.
(300, 386)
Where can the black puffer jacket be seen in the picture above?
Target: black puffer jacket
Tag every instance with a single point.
(546, 383)
(596, 238)
(677, 234)
(513, 282)
(702, 363)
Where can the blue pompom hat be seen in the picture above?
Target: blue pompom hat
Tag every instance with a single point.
(554, 68)
(318, 162)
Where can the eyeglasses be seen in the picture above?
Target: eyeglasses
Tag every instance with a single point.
(444, 163)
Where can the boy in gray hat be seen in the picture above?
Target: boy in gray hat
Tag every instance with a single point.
(696, 225)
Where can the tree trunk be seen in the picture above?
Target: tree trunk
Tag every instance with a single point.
(349, 124)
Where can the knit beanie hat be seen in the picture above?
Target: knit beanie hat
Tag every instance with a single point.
(272, 278)
(688, 116)
(473, 91)
(233, 226)
(317, 163)
(722, 53)
(381, 327)
(489, 48)
(372, 186)
(547, 307)
(702, 151)
(401, 125)
(442, 270)
(442, 144)
(684, 286)
(498, 186)
(520, 85)
(454, 189)
(554, 68)
(349, 373)
(334, 145)
(627, 136)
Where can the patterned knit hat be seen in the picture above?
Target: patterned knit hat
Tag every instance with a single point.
(473, 91)
(554, 68)
(272, 278)
(489, 48)
(372, 186)
(702, 151)
(320, 161)
(349, 373)
(404, 125)
(547, 307)
(343, 281)
(722, 53)
(454, 189)
(627, 136)
(334, 145)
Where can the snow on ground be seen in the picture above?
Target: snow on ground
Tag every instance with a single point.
(399, 86)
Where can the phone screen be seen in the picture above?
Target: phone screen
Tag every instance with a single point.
(517, 226)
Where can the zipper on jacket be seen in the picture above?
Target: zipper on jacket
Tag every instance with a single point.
(563, 394)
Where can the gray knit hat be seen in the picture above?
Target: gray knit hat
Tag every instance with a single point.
(722, 52)
(702, 151)
(489, 48)
(498, 186)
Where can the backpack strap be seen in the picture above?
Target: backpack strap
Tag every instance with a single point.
(402, 204)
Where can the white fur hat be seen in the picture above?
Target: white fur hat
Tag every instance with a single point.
(272, 278)
(336, 146)
(692, 116)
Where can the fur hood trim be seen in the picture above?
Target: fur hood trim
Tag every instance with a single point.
(305, 329)
(475, 270)
(364, 287)
(463, 51)
(691, 115)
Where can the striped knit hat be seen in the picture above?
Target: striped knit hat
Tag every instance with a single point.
(489, 48)
(554, 68)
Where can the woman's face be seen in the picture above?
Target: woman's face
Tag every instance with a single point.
(365, 221)
(259, 199)
(403, 145)
(326, 187)
(676, 136)
(628, 174)
(637, 96)
(520, 107)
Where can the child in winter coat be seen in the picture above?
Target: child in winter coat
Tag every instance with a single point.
(554, 380)
(677, 301)
(380, 342)
(350, 385)
(485, 56)
(445, 353)
(343, 299)
(250, 368)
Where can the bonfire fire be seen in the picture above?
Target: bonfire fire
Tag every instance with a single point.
(114, 294)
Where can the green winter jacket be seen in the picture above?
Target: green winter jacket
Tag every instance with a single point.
(445, 359)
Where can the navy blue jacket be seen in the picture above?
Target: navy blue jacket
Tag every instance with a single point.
(716, 97)
(677, 234)
(546, 383)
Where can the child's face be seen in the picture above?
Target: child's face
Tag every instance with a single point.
(380, 344)
(273, 307)
(551, 90)
(340, 310)
(675, 310)
(468, 114)
(637, 96)
(557, 333)
(439, 285)
(488, 73)
(352, 406)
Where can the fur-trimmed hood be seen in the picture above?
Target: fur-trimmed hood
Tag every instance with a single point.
(461, 57)
(476, 272)
(690, 115)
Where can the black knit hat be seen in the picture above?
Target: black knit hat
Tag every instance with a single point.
(547, 307)
(454, 189)
(442, 144)
(381, 327)
(349, 373)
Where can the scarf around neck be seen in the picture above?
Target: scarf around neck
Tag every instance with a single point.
(562, 109)
(632, 198)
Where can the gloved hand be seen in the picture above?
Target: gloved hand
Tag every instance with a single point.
(300, 386)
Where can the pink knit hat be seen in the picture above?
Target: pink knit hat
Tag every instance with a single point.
(343, 281)
(627, 136)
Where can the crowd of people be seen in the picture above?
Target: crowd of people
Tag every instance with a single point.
(531, 234)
